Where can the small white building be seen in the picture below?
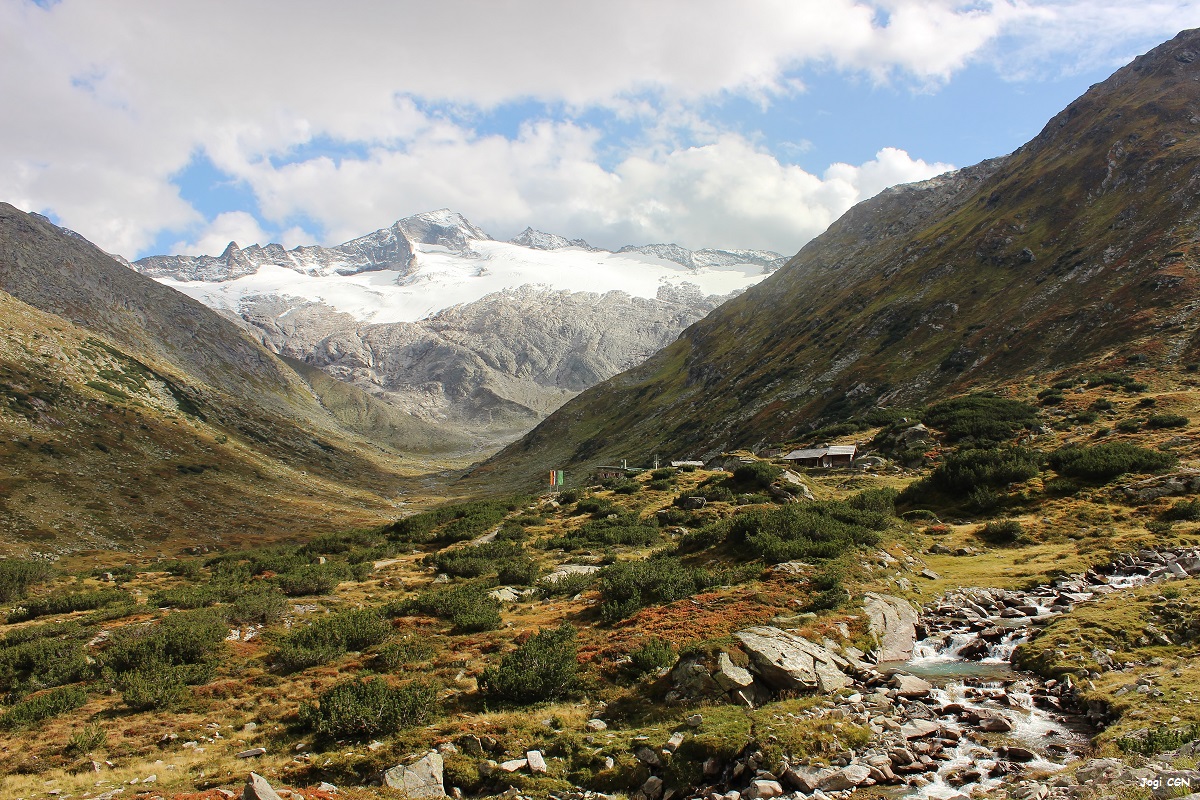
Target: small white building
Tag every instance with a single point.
(838, 455)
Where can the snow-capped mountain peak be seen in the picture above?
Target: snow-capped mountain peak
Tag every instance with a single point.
(540, 240)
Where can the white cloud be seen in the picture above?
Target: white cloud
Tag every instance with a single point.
(727, 193)
(110, 101)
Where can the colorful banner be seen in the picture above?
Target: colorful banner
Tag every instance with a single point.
(557, 478)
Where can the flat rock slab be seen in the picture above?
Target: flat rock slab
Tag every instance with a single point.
(257, 788)
(893, 622)
(421, 778)
(793, 663)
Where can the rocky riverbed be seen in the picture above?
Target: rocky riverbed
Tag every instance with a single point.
(953, 718)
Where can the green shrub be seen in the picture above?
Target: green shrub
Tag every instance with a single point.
(967, 469)
(626, 486)
(983, 418)
(624, 530)
(312, 579)
(596, 506)
(330, 637)
(1101, 405)
(522, 571)
(199, 596)
(87, 740)
(1166, 421)
(189, 569)
(68, 603)
(473, 561)
(181, 638)
(39, 707)
(568, 585)
(1159, 739)
(819, 530)
(158, 687)
(17, 575)
(1086, 417)
(44, 662)
(455, 522)
(361, 709)
(265, 606)
(543, 668)
(1183, 511)
(759, 475)
(1129, 426)
(666, 473)
(1116, 379)
(469, 608)
(410, 650)
(1108, 460)
(653, 655)
(629, 586)
(1002, 532)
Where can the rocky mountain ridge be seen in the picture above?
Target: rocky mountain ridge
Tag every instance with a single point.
(412, 313)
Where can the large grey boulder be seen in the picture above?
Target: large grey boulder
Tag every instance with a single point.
(731, 677)
(257, 788)
(421, 778)
(791, 663)
(893, 622)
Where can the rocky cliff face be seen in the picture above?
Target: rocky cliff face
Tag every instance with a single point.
(1078, 245)
(494, 367)
(494, 336)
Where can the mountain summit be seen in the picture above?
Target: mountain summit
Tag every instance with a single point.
(1078, 246)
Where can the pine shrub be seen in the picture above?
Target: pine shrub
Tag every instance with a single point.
(543, 668)
(361, 709)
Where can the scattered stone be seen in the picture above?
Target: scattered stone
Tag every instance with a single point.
(846, 778)
(648, 757)
(731, 677)
(515, 764)
(596, 725)
(695, 720)
(763, 790)
(930, 574)
(674, 742)
(253, 752)
(537, 763)
(910, 686)
(652, 789)
(421, 778)
(257, 788)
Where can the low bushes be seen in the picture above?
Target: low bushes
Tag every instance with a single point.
(1108, 460)
(625, 530)
(542, 668)
(454, 523)
(44, 662)
(329, 637)
(39, 707)
(1002, 532)
(67, 603)
(17, 575)
(360, 709)
(652, 656)
(981, 418)
(1166, 421)
(629, 586)
(1183, 511)
(469, 608)
(805, 531)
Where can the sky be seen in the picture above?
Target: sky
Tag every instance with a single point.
(175, 127)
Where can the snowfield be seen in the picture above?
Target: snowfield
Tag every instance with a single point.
(440, 278)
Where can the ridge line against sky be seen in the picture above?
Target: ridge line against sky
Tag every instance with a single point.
(176, 127)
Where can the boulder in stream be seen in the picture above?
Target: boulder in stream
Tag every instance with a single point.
(893, 623)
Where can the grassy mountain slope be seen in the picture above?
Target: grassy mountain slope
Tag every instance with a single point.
(131, 415)
(1077, 247)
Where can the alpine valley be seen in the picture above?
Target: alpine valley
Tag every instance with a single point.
(482, 338)
(915, 514)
